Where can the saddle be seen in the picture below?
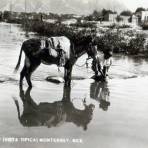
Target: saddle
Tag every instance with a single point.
(55, 51)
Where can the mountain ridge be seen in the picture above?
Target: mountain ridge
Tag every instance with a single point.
(62, 6)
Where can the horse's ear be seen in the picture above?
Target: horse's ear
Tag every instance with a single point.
(46, 44)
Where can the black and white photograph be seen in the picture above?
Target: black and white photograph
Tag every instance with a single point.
(73, 73)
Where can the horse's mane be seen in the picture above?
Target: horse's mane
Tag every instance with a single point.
(33, 43)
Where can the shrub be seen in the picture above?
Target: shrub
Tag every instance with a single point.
(136, 45)
(58, 29)
(111, 39)
(84, 25)
(120, 41)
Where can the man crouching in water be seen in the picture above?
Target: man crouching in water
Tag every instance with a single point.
(104, 61)
(107, 62)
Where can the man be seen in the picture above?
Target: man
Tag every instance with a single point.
(107, 62)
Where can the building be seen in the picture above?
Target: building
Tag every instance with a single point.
(111, 17)
(144, 20)
(125, 19)
(144, 16)
(134, 19)
(69, 21)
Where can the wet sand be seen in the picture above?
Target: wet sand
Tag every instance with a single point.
(102, 115)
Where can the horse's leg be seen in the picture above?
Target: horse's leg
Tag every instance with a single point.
(22, 75)
(28, 77)
(29, 72)
(31, 66)
(104, 71)
(94, 67)
(68, 77)
(67, 73)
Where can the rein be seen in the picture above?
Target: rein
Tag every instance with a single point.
(81, 65)
(86, 63)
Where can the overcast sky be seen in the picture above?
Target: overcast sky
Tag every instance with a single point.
(72, 6)
(133, 4)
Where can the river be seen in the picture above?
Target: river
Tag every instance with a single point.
(109, 114)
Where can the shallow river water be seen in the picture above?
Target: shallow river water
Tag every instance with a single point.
(110, 114)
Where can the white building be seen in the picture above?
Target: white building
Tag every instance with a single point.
(144, 16)
(125, 19)
(134, 19)
(112, 17)
(69, 21)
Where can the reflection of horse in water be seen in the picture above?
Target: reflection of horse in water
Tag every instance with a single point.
(100, 92)
(53, 114)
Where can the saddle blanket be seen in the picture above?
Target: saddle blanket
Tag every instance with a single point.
(61, 42)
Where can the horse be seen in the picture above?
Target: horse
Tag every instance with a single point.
(52, 114)
(35, 54)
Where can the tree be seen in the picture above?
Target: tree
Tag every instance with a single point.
(126, 13)
(140, 9)
(88, 18)
(6, 15)
(96, 15)
(118, 19)
(1, 16)
(105, 11)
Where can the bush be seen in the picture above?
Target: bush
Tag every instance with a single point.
(136, 45)
(124, 26)
(112, 39)
(58, 29)
(113, 26)
(120, 41)
(84, 25)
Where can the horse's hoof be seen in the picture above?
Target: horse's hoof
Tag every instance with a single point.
(30, 86)
(20, 86)
(67, 84)
(97, 78)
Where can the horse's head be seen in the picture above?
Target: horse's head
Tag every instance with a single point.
(91, 46)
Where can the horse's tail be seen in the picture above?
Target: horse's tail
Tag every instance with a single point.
(19, 60)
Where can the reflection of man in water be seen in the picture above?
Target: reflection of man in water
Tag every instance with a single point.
(100, 92)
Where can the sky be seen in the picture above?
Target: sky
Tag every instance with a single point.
(133, 4)
(72, 6)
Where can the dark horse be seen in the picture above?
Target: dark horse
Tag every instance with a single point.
(35, 54)
(52, 114)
